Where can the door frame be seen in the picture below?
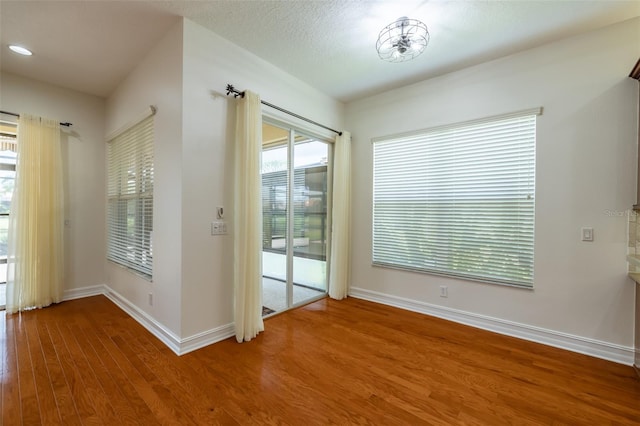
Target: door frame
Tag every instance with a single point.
(293, 130)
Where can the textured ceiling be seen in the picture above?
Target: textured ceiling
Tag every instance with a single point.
(91, 45)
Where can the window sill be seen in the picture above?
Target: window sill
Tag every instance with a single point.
(635, 276)
(131, 271)
(634, 261)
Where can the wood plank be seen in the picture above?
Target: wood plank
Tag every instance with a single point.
(158, 398)
(161, 374)
(61, 392)
(44, 386)
(29, 408)
(11, 411)
(87, 389)
(84, 405)
(128, 405)
(347, 362)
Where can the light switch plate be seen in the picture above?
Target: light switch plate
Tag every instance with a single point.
(587, 234)
(218, 228)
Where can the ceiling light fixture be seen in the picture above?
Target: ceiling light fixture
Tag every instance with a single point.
(402, 40)
(20, 50)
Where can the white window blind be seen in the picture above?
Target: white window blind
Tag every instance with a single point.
(458, 200)
(130, 198)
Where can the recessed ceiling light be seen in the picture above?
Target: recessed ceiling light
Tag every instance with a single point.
(21, 50)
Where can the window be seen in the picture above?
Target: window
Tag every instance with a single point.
(8, 149)
(130, 198)
(458, 200)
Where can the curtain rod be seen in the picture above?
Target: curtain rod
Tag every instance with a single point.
(18, 115)
(236, 93)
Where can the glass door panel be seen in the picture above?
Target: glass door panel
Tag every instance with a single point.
(295, 218)
(275, 196)
(309, 219)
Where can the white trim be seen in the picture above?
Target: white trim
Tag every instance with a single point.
(165, 335)
(596, 348)
(286, 121)
(79, 293)
(206, 338)
(148, 112)
(521, 113)
(176, 344)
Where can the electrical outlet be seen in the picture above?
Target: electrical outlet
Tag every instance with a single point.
(587, 234)
(444, 291)
(150, 299)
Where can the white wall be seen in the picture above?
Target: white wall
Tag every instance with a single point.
(210, 63)
(586, 151)
(83, 156)
(193, 271)
(157, 80)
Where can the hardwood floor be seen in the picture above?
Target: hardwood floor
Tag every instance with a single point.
(348, 362)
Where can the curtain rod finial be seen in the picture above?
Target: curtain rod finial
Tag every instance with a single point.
(232, 91)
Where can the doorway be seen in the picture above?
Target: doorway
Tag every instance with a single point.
(296, 176)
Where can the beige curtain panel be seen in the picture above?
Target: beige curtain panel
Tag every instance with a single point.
(35, 262)
(247, 230)
(340, 272)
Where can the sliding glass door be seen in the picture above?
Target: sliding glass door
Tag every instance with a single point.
(295, 206)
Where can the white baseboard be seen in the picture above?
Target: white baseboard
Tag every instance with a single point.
(165, 335)
(78, 293)
(596, 348)
(206, 338)
(176, 344)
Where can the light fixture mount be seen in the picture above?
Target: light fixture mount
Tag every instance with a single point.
(402, 40)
